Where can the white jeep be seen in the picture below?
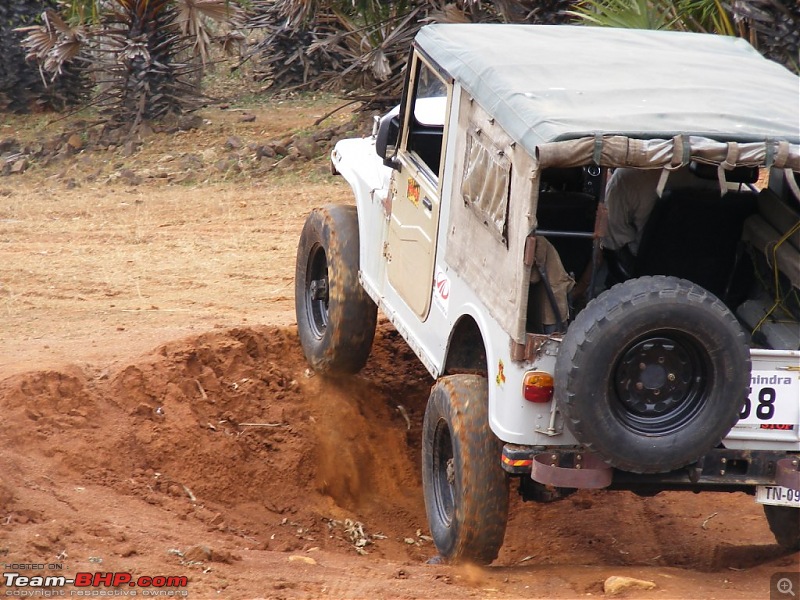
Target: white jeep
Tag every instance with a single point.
(562, 357)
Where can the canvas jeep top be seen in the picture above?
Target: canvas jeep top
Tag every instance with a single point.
(484, 230)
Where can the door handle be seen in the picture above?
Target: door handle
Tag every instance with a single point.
(427, 203)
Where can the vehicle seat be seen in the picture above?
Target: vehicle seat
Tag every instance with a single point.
(426, 141)
(736, 175)
(566, 179)
(694, 234)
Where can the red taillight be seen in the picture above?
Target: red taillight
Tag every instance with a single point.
(537, 386)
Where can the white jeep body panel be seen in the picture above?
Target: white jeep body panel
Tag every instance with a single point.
(772, 421)
(511, 417)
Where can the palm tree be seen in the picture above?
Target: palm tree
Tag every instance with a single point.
(362, 45)
(773, 26)
(140, 52)
(629, 14)
(22, 86)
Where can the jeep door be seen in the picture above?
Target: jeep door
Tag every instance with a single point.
(416, 187)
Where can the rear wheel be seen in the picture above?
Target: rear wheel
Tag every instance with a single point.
(784, 522)
(652, 374)
(465, 487)
(335, 316)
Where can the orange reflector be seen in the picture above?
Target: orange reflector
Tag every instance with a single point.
(522, 462)
(537, 386)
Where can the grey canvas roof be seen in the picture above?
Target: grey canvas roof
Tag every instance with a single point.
(550, 83)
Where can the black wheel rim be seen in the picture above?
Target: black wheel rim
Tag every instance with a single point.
(317, 291)
(660, 383)
(443, 474)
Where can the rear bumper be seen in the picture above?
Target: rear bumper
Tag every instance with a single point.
(721, 469)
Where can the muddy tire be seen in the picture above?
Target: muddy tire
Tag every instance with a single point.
(652, 374)
(335, 316)
(784, 522)
(465, 488)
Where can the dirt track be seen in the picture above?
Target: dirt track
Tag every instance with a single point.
(158, 417)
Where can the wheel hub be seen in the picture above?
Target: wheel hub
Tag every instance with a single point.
(653, 376)
(659, 382)
(317, 291)
(444, 473)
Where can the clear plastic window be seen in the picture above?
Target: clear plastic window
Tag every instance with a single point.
(486, 184)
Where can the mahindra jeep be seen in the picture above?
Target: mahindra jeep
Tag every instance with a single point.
(490, 221)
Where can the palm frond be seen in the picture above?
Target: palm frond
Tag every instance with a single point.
(628, 14)
(773, 27)
(194, 18)
(361, 46)
(708, 16)
(25, 85)
(54, 43)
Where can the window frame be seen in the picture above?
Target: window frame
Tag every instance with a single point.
(413, 160)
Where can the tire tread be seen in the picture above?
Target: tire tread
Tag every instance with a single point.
(479, 523)
(352, 315)
(605, 316)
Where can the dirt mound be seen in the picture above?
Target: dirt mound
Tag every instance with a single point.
(231, 428)
(213, 447)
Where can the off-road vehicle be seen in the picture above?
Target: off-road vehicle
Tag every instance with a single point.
(482, 230)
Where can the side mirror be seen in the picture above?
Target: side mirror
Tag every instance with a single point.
(387, 134)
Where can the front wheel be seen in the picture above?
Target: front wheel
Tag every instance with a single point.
(784, 522)
(335, 316)
(465, 487)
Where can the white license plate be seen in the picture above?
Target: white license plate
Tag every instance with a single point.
(772, 409)
(773, 400)
(777, 495)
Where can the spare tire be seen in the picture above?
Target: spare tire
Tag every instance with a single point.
(652, 374)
